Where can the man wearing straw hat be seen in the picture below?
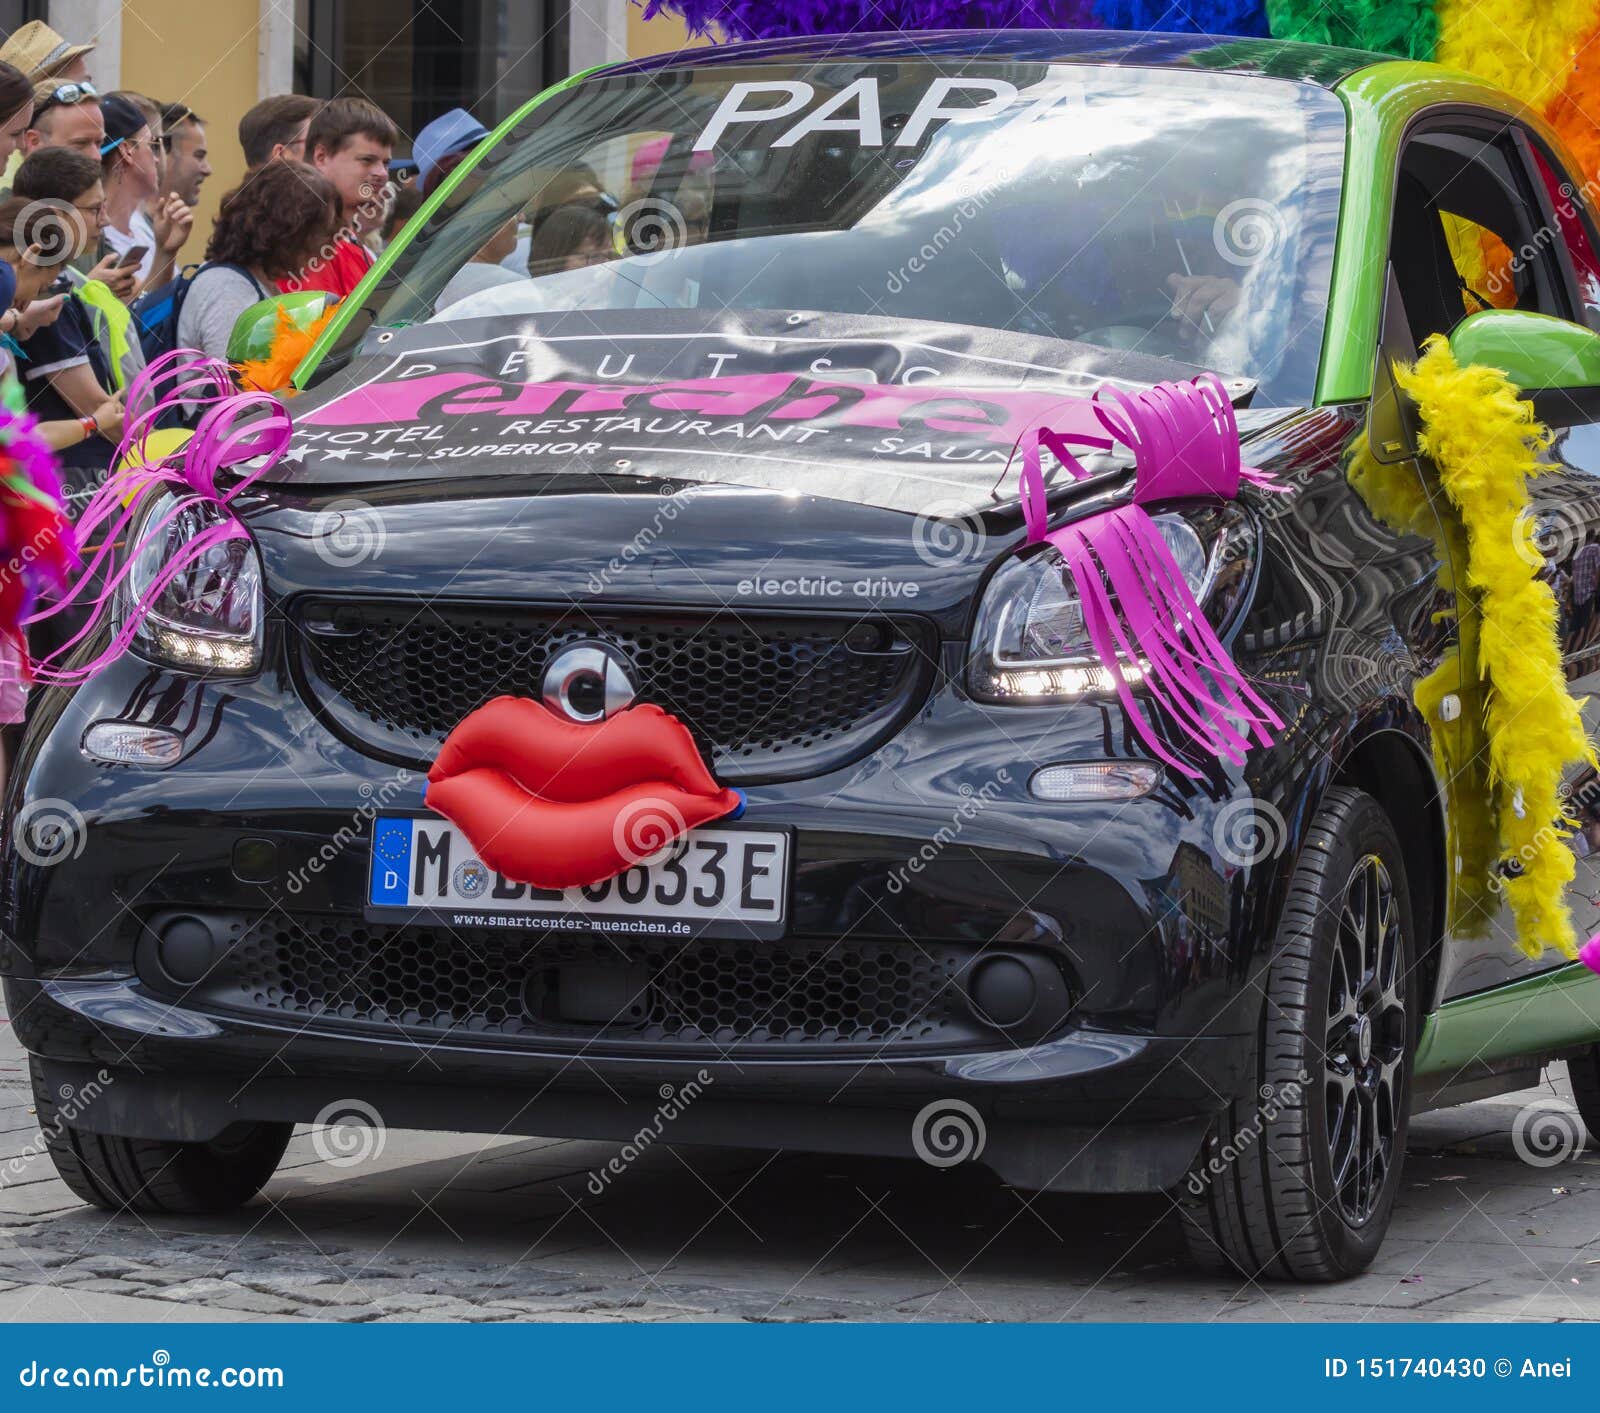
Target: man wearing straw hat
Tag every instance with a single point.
(41, 53)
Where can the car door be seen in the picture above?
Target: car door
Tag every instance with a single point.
(1487, 196)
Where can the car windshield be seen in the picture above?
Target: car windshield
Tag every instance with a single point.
(1181, 214)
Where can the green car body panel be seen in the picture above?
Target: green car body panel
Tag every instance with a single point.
(1553, 1010)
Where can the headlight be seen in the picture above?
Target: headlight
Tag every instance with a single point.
(1030, 643)
(207, 617)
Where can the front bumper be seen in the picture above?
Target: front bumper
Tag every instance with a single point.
(262, 831)
(1089, 1111)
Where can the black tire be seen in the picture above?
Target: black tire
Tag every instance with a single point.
(1584, 1072)
(149, 1175)
(1262, 1198)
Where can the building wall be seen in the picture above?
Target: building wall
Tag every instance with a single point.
(655, 36)
(176, 51)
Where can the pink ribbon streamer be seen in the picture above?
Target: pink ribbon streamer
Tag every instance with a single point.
(1138, 610)
(234, 428)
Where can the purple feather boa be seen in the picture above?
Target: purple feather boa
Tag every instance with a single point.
(770, 19)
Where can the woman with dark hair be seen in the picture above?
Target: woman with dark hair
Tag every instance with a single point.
(16, 110)
(569, 238)
(278, 224)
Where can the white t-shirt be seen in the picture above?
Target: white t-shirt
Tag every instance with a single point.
(139, 232)
(473, 278)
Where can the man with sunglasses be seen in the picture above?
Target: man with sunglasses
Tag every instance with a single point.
(66, 115)
(188, 163)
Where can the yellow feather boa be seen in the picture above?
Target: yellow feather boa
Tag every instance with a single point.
(1520, 728)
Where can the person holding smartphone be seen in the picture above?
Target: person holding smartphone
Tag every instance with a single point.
(65, 366)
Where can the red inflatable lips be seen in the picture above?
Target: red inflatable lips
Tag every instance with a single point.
(552, 803)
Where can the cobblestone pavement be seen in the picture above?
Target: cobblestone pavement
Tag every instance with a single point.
(454, 1227)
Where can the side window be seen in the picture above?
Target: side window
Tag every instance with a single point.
(1567, 199)
(1465, 233)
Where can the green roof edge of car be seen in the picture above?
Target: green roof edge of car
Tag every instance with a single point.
(385, 262)
(1380, 102)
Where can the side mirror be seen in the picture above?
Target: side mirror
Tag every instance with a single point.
(1555, 362)
(255, 329)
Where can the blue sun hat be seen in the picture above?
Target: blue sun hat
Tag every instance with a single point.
(445, 136)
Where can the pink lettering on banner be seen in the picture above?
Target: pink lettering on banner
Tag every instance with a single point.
(998, 415)
(733, 396)
(400, 401)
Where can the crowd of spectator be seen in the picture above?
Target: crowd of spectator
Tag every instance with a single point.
(99, 190)
(105, 185)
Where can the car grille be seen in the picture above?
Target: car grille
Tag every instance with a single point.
(873, 997)
(768, 697)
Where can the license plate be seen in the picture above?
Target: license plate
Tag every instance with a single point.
(714, 882)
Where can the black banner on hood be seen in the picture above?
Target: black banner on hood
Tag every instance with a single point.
(899, 414)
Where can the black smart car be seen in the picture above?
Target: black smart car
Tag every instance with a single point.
(733, 431)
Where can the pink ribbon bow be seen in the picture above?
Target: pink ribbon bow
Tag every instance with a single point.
(1138, 610)
(235, 427)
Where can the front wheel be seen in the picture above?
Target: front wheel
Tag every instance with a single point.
(151, 1175)
(1298, 1179)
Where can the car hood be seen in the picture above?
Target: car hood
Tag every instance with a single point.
(897, 414)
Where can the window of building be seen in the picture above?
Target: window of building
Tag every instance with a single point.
(16, 13)
(415, 59)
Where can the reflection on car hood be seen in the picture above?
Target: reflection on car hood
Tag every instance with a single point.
(905, 415)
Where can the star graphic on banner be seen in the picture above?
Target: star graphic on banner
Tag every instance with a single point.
(383, 455)
(337, 453)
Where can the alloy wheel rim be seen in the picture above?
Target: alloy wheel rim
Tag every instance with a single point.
(1365, 1046)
